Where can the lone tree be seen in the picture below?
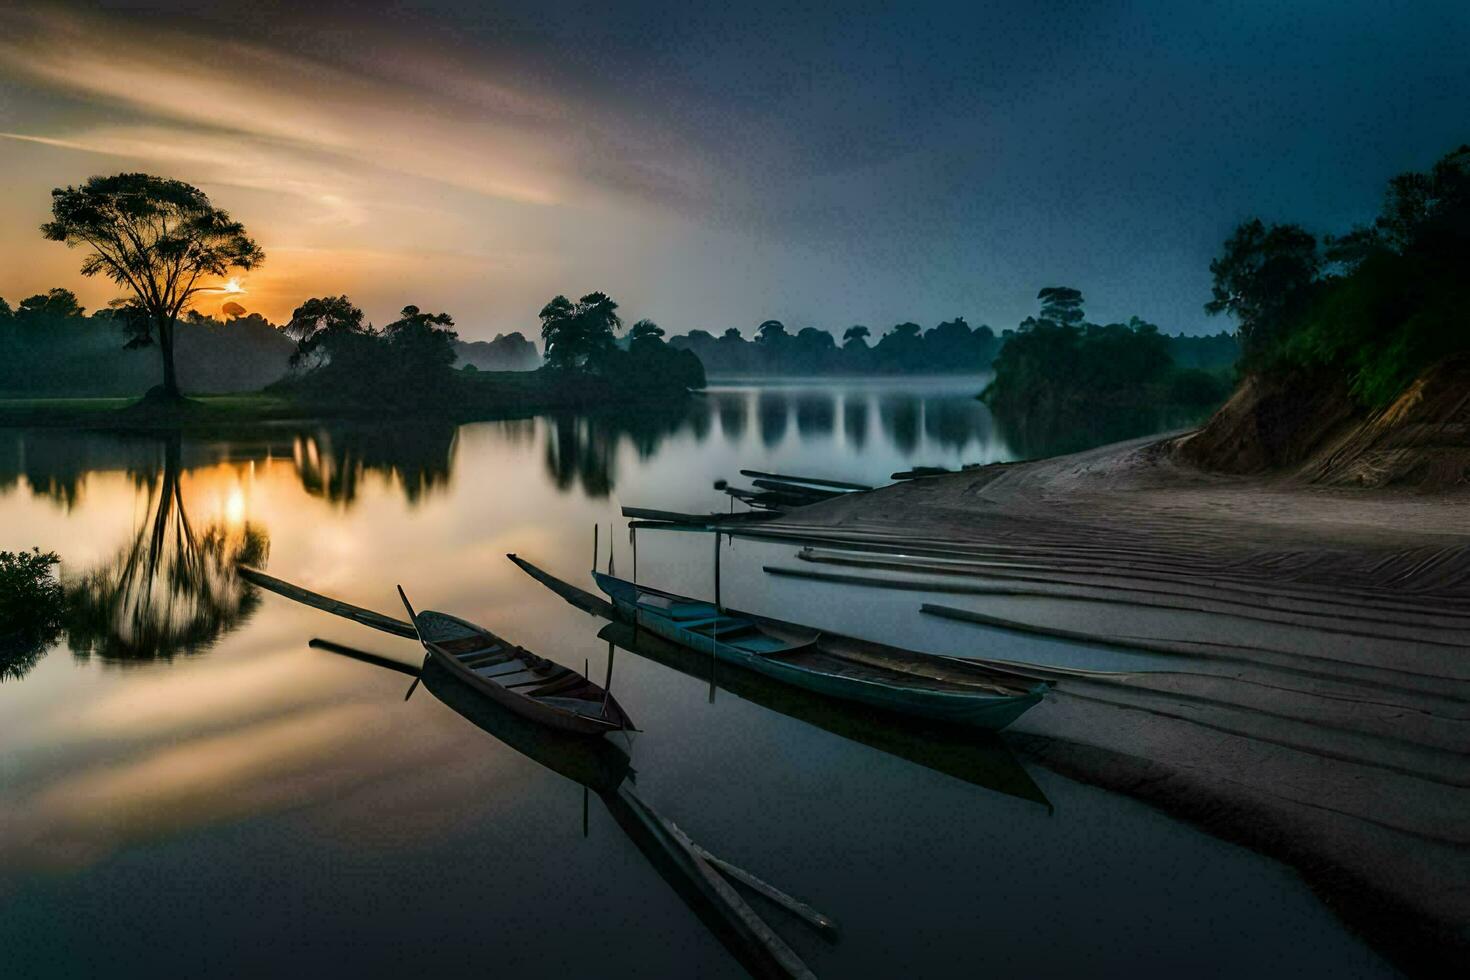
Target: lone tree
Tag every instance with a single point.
(1061, 304)
(159, 238)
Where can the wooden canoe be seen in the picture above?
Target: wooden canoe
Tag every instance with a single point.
(602, 767)
(540, 689)
(532, 686)
(946, 689)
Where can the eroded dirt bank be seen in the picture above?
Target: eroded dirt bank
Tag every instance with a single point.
(1320, 706)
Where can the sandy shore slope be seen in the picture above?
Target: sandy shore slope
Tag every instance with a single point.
(1320, 708)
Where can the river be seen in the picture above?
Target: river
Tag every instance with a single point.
(186, 788)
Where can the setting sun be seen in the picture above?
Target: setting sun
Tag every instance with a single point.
(233, 286)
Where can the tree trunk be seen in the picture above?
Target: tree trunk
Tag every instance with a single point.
(166, 348)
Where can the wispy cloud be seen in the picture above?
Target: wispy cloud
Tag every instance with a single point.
(249, 110)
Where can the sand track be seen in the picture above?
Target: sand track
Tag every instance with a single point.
(1320, 710)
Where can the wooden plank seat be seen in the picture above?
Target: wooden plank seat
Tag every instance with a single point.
(535, 680)
(571, 680)
(503, 669)
(482, 657)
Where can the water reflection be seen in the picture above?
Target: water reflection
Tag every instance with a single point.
(773, 409)
(334, 461)
(172, 588)
(899, 415)
(855, 421)
(816, 413)
(979, 758)
(601, 767)
(418, 457)
(733, 409)
(1051, 430)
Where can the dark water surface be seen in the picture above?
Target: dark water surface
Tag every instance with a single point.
(187, 789)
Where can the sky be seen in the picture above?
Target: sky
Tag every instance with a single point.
(716, 166)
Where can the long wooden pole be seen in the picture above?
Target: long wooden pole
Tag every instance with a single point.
(594, 547)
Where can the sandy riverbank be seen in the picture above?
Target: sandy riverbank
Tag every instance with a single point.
(1320, 708)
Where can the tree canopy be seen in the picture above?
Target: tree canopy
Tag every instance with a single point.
(319, 324)
(55, 302)
(1262, 277)
(1377, 306)
(159, 238)
(576, 335)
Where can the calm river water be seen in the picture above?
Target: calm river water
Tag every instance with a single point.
(187, 789)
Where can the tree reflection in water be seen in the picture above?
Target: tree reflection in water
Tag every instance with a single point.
(419, 458)
(899, 414)
(816, 414)
(172, 589)
(582, 450)
(772, 409)
(732, 409)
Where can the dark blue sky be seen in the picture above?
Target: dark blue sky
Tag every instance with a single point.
(717, 165)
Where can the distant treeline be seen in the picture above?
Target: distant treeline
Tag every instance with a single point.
(50, 346)
(952, 347)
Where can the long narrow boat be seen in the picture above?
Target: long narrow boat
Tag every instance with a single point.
(696, 875)
(531, 686)
(946, 689)
(941, 688)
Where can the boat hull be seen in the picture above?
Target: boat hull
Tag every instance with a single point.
(988, 712)
(525, 707)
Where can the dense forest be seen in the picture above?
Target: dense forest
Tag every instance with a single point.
(1371, 308)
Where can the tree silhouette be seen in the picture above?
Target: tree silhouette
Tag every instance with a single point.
(1263, 278)
(5, 311)
(422, 344)
(645, 336)
(856, 336)
(55, 302)
(319, 324)
(577, 334)
(1061, 304)
(159, 238)
(771, 332)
